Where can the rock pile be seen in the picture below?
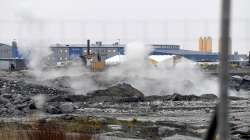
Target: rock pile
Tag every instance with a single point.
(21, 87)
(118, 93)
(16, 96)
(15, 105)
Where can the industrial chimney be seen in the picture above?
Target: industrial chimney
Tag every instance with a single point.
(88, 47)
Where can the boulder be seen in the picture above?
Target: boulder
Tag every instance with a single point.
(7, 96)
(52, 109)
(67, 107)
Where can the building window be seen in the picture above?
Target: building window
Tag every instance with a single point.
(66, 51)
(60, 58)
(114, 50)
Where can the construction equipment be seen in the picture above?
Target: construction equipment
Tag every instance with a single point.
(93, 61)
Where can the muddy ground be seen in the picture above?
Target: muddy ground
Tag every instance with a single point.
(123, 110)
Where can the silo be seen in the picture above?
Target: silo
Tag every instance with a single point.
(200, 44)
(209, 44)
(205, 44)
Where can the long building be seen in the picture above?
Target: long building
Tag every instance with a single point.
(66, 52)
(62, 53)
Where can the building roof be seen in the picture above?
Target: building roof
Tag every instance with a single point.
(182, 52)
(85, 45)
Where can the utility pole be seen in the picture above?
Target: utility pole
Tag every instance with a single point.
(224, 70)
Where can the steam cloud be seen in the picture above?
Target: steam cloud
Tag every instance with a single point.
(185, 78)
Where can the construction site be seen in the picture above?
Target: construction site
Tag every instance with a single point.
(74, 73)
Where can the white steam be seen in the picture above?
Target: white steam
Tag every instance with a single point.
(184, 78)
(39, 101)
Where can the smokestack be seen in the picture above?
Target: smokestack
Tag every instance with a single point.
(88, 47)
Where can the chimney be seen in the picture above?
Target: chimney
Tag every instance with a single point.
(88, 47)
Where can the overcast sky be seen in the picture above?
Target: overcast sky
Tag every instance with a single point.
(164, 21)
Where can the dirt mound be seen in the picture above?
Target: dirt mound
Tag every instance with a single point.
(120, 92)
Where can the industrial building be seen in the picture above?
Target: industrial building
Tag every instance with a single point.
(67, 52)
(10, 58)
(62, 53)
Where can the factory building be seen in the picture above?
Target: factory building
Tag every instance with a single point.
(67, 52)
(63, 53)
(204, 54)
(10, 58)
(196, 56)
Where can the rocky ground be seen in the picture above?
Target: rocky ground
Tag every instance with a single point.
(173, 116)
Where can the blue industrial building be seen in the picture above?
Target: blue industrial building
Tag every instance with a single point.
(198, 56)
(189, 54)
(64, 52)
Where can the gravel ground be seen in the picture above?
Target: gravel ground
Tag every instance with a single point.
(167, 117)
